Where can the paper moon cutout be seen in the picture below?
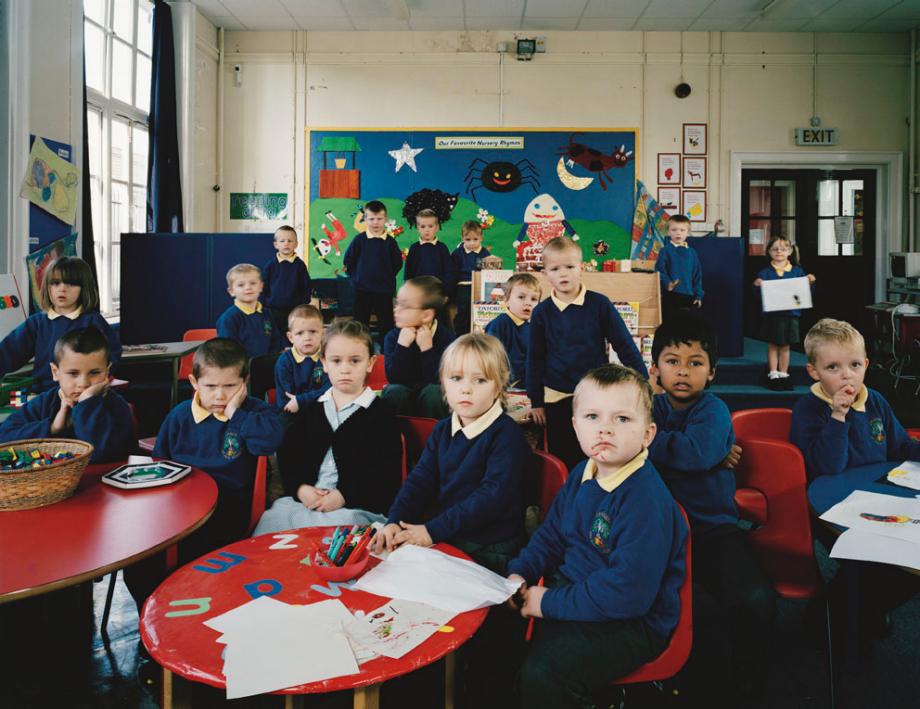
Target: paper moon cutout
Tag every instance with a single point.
(573, 182)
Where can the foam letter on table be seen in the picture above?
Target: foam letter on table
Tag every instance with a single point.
(220, 565)
(253, 588)
(201, 605)
(284, 541)
(333, 588)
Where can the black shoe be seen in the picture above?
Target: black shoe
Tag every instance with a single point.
(149, 673)
(784, 383)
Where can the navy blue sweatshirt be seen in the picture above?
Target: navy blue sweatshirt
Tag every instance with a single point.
(831, 446)
(37, 337)
(285, 283)
(462, 264)
(373, 263)
(769, 274)
(104, 421)
(688, 450)
(409, 365)
(475, 486)
(226, 450)
(254, 331)
(623, 552)
(566, 344)
(306, 380)
(680, 262)
(429, 259)
(516, 339)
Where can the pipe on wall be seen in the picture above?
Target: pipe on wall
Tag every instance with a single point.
(219, 184)
(913, 189)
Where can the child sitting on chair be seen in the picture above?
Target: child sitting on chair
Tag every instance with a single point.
(612, 549)
(81, 405)
(342, 453)
(299, 376)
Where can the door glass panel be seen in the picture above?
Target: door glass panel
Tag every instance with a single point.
(786, 228)
(827, 242)
(119, 150)
(120, 216)
(852, 197)
(785, 191)
(828, 193)
(858, 226)
(760, 198)
(123, 19)
(95, 9)
(122, 71)
(94, 42)
(758, 235)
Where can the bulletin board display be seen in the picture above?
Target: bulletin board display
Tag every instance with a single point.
(523, 185)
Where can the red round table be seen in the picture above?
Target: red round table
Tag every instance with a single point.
(174, 633)
(97, 530)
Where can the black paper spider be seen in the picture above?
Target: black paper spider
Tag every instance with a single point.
(501, 176)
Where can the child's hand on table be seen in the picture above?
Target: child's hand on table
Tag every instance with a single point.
(292, 407)
(517, 599)
(385, 538)
(62, 420)
(237, 401)
(413, 534)
(733, 457)
(424, 339)
(407, 336)
(533, 596)
(95, 390)
(538, 415)
(310, 496)
(332, 500)
(843, 400)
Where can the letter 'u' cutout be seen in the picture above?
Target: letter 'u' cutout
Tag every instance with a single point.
(254, 590)
(284, 541)
(201, 605)
(214, 565)
(333, 588)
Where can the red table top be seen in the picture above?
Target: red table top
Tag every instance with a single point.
(174, 633)
(97, 530)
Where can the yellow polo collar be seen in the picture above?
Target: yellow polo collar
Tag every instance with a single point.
(475, 251)
(681, 245)
(471, 430)
(246, 309)
(514, 318)
(54, 314)
(384, 235)
(289, 259)
(199, 413)
(612, 481)
(859, 403)
(781, 271)
(298, 358)
(579, 299)
(428, 242)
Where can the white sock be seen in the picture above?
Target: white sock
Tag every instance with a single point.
(782, 375)
(773, 375)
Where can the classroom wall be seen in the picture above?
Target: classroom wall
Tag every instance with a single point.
(752, 89)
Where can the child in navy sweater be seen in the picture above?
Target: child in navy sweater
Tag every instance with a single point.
(612, 550)
(471, 473)
(465, 259)
(373, 260)
(412, 350)
(222, 431)
(692, 451)
(299, 375)
(247, 323)
(512, 328)
(569, 332)
(286, 278)
(842, 423)
(780, 329)
(69, 301)
(341, 460)
(428, 256)
(680, 271)
(81, 406)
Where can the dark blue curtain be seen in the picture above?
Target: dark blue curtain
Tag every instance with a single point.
(164, 193)
(87, 237)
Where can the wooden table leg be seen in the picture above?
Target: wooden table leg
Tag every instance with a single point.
(450, 673)
(166, 691)
(288, 701)
(367, 697)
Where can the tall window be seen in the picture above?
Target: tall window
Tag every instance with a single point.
(119, 39)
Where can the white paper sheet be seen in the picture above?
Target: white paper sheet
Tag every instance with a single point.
(413, 573)
(907, 474)
(864, 546)
(884, 515)
(786, 294)
(396, 627)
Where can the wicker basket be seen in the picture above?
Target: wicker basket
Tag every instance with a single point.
(37, 487)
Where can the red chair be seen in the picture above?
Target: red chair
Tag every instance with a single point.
(544, 479)
(377, 379)
(185, 364)
(259, 492)
(415, 430)
(762, 423)
(914, 433)
(272, 397)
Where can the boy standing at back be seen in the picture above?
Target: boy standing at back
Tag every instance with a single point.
(287, 281)
(428, 256)
(373, 260)
(512, 328)
(679, 269)
(569, 332)
(465, 259)
(695, 436)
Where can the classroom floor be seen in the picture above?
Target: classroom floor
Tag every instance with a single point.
(53, 655)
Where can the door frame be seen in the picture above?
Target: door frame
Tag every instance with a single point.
(889, 180)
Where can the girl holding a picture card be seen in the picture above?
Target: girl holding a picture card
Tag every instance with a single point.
(781, 327)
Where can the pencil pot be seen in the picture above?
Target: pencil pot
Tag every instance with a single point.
(40, 471)
(352, 569)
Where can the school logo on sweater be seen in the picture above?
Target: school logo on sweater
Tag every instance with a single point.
(877, 430)
(267, 326)
(600, 532)
(317, 375)
(231, 446)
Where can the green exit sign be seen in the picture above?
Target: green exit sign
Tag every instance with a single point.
(816, 136)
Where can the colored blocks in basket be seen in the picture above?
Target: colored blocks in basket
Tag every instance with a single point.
(21, 397)
(11, 459)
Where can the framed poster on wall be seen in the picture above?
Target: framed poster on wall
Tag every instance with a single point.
(669, 199)
(694, 205)
(695, 139)
(694, 172)
(668, 168)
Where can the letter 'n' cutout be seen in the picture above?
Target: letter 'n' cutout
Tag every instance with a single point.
(213, 565)
(200, 605)
(254, 588)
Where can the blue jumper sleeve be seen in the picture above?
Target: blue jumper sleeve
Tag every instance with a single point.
(396, 260)
(536, 359)
(31, 421)
(396, 360)
(284, 379)
(704, 444)
(165, 438)
(663, 266)
(306, 283)
(267, 273)
(228, 326)
(618, 336)
(545, 551)
(411, 262)
(104, 421)
(900, 444)
(352, 253)
(698, 278)
(420, 489)
(260, 427)
(823, 442)
(308, 397)
(18, 347)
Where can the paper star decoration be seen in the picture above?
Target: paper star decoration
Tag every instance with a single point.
(405, 156)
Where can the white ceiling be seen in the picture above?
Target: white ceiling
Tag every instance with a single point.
(662, 15)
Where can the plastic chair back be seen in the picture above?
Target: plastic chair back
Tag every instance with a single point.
(545, 477)
(259, 492)
(762, 423)
(377, 379)
(914, 433)
(415, 430)
(675, 655)
(185, 364)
